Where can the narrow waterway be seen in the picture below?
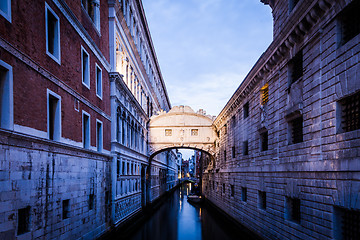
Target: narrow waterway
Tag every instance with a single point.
(177, 219)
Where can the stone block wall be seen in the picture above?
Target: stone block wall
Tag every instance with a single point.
(39, 175)
(305, 189)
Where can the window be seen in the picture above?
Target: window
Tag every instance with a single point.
(168, 132)
(92, 9)
(5, 9)
(54, 115)
(232, 191)
(23, 220)
(346, 224)
(85, 67)
(86, 130)
(99, 135)
(224, 155)
(52, 25)
(91, 201)
(262, 200)
(123, 168)
(292, 4)
(264, 141)
(98, 76)
(233, 152)
(348, 113)
(246, 110)
(66, 209)
(292, 209)
(348, 23)
(223, 187)
(118, 168)
(243, 194)
(296, 130)
(194, 132)
(246, 148)
(6, 96)
(264, 94)
(295, 68)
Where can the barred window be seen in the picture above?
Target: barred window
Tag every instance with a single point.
(243, 194)
(246, 110)
(350, 113)
(262, 200)
(246, 148)
(264, 141)
(168, 132)
(292, 209)
(23, 220)
(264, 94)
(296, 130)
(347, 223)
(295, 68)
(194, 132)
(349, 23)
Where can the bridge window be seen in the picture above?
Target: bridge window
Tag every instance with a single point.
(246, 110)
(346, 224)
(66, 209)
(243, 194)
(262, 200)
(246, 148)
(295, 68)
(349, 113)
(168, 132)
(23, 220)
(194, 132)
(264, 94)
(292, 209)
(349, 23)
(296, 130)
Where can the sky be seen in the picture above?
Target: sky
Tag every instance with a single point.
(205, 48)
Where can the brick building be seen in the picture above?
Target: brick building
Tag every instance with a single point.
(287, 161)
(79, 81)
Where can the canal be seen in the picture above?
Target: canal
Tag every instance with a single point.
(177, 219)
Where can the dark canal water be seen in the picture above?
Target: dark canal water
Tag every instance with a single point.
(176, 219)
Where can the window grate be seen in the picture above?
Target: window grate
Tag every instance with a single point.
(349, 22)
(264, 141)
(264, 94)
(297, 130)
(351, 113)
(350, 224)
(296, 67)
(243, 194)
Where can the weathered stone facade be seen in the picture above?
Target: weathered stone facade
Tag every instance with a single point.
(287, 162)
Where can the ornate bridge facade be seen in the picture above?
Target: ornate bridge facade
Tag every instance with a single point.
(181, 127)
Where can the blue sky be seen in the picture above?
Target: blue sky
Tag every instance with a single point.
(205, 48)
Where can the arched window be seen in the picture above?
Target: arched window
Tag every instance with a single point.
(123, 120)
(118, 124)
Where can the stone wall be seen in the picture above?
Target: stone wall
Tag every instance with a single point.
(284, 188)
(39, 175)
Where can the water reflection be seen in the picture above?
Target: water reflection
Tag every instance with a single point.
(176, 219)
